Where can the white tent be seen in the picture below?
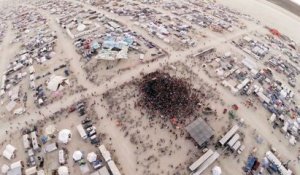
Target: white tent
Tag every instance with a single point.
(10, 106)
(81, 27)
(8, 155)
(9, 152)
(31, 171)
(50, 130)
(41, 172)
(57, 83)
(92, 156)
(10, 148)
(63, 170)
(19, 111)
(77, 155)
(4, 168)
(216, 170)
(17, 164)
(64, 136)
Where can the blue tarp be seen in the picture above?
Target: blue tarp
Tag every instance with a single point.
(250, 163)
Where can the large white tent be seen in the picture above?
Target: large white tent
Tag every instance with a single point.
(64, 136)
(216, 170)
(57, 83)
(9, 152)
(77, 155)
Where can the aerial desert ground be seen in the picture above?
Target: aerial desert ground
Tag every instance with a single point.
(149, 87)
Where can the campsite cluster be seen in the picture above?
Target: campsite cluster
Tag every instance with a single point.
(145, 87)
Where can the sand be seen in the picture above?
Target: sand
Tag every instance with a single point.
(266, 12)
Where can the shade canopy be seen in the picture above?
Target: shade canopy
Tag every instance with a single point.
(77, 155)
(4, 168)
(92, 156)
(216, 170)
(64, 136)
(63, 170)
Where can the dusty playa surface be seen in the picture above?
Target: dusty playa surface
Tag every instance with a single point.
(148, 87)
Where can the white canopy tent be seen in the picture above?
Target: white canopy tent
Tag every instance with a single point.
(4, 168)
(77, 155)
(9, 152)
(92, 156)
(57, 83)
(64, 136)
(63, 170)
(216, 170)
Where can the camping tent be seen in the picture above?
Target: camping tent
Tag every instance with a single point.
(77, 155)
(64, 136)
(63, 170)
(92, 156)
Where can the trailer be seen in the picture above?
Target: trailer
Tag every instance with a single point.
(233, 140)
(278, 164)
(229, 134)
(236, 146)
(207, 163)
(113, 168)
(105, 153)
(81, 131)
(26, 143)
(203, 158)
(34, 141)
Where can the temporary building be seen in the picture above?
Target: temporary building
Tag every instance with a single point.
(63, 170)
(64, 136)
(77, 155)
(200, 131)
(92, 156)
